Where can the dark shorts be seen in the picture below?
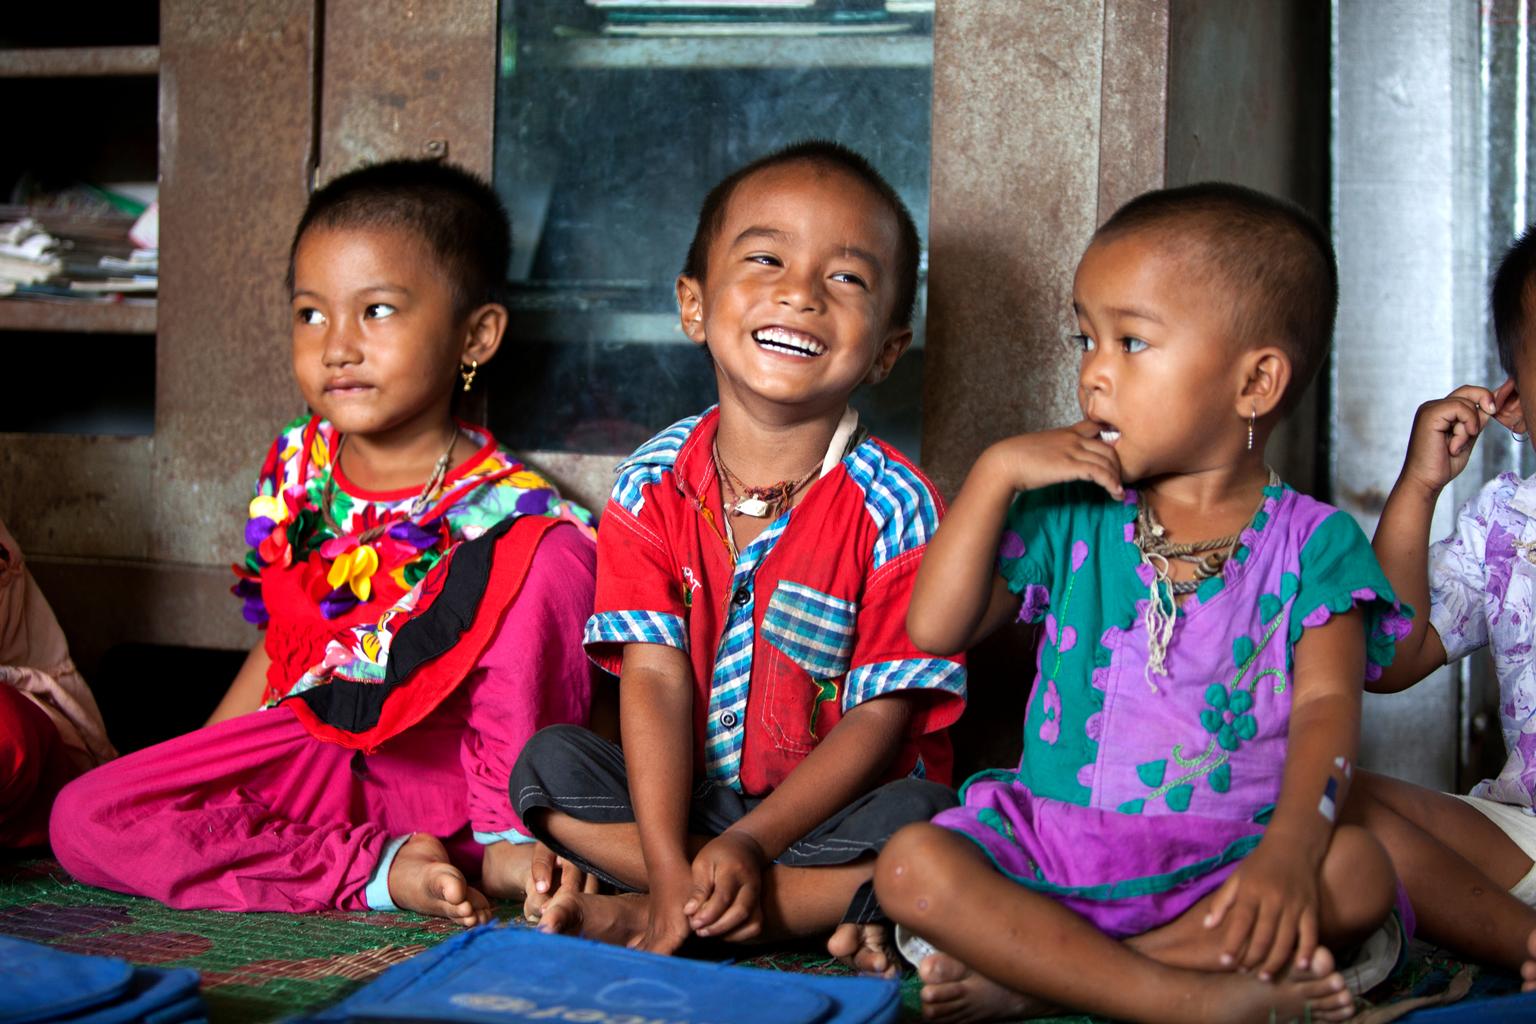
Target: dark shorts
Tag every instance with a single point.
(576, 772)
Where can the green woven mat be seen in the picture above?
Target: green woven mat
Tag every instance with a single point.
(256, 967)
(262, 967)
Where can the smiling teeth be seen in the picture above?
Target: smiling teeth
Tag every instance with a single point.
(792, 341)
(1109, 436)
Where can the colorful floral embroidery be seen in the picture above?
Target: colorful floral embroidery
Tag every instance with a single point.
(285, 526)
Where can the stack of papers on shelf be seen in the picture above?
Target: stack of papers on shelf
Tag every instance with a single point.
(28, 254)
(88, 244)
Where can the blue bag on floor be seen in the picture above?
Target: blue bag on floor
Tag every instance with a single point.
(502, 974)
(43, 984)
(1512, 1009)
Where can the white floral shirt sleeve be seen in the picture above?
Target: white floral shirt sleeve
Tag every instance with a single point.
(1482, 591)
(1458, 574)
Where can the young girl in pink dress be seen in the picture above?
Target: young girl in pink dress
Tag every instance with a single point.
(423, 596)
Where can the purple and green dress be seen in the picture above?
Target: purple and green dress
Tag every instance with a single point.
(1132, 801)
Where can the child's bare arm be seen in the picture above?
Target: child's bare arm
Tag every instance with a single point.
(958, 597)
(656, 719)
(244, 694)
(1444, 433)
(1268, 907)
(845, 765)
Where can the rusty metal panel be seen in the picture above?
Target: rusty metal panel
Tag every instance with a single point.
(584, 479)
(102, 604)
(1133, 109)
(408, 78)
(1015, 198)
(1248, 102)
(80, 496)
(1016, 185)
(1248, 96)
(1409, 213)
(237, 126)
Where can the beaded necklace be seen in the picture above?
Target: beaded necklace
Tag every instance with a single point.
(418, 504)
(1158, 553)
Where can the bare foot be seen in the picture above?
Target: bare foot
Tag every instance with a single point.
(504, 872)
(954, 993)
(1316, 993)
(616, 920)
(1528, 969)
(422, 879)
(864, 947)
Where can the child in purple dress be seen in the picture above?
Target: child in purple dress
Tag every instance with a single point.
(1166, 848)
(1467, 861)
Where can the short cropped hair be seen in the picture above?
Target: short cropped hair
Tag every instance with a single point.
(1511, 283)
(825, 153)
(1274, 262)
(454, 212)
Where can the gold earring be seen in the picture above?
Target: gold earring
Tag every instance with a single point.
(1253, 412)
(474, 365)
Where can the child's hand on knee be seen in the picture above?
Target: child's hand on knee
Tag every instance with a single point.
(728, 879)
(1267, 911)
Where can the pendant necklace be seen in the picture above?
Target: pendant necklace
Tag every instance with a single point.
(759, 502)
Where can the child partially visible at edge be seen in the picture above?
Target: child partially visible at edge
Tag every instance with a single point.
(422, 595)
(1167, 848)
(1467, 861)
(754, 567)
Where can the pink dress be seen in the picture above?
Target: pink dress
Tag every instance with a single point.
(302, 806)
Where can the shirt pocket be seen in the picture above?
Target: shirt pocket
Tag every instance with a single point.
(812, 636)
(811, 629)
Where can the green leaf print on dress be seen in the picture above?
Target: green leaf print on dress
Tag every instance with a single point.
(1228, 717)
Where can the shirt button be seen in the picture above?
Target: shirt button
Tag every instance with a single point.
(742, 596)
(728, 719)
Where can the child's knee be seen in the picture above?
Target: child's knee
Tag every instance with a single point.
(1358, 878)
(913, 872)
(71, 823)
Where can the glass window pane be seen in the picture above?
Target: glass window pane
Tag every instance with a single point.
(613, 119)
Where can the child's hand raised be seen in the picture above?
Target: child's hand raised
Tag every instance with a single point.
(1028, 461)
(1269, 906)
(727, 884)
(1445, 430)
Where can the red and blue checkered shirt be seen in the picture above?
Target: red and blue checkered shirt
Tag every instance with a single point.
(808, 622)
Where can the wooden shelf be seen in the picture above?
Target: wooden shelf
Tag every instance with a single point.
(78, 317)
(80, 62)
